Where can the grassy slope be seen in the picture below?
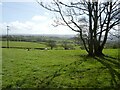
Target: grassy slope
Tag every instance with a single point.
(58, 68)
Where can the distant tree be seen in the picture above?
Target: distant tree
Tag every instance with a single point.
(91, 18)
(66, 45)
(51, 44)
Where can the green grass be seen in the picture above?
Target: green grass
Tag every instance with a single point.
(0, 65)
(59, 69)
(33, 45)
(23, 44)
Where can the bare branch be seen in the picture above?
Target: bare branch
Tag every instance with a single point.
(64, 19)
(73, 6)
(47, 7)
(117, 36)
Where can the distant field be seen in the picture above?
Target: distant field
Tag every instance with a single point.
(23, 44)
(33, 45)
(59, 68)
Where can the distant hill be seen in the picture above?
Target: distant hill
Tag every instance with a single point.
(49, 36)
(36, 37)
(45, 35)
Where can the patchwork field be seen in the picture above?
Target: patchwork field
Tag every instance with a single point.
(59, 69)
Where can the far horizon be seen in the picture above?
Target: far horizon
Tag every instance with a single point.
(42, 34)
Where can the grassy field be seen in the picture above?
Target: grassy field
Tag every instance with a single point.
(23, 44)
(33, 45)
(59, 69)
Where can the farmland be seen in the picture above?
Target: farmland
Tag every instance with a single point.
(33, 45)
(59, 69)
(60, 44)
(23, 44)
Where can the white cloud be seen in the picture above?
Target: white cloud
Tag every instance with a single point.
(39, 18)
(37, 25)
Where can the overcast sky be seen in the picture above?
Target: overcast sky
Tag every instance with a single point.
(28, 17)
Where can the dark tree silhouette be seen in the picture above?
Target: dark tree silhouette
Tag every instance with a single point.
(66, 45)
(51, 44)
(93, 20)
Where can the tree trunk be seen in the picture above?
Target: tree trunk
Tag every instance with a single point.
(90, 44)
(98, 52)
(51, 48)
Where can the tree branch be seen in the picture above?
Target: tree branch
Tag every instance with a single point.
(64, 19)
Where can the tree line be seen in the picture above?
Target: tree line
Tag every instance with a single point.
(54, 42)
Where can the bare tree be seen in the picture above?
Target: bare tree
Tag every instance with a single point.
(93, 20)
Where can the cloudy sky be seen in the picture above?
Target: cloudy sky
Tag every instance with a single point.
(28, 17)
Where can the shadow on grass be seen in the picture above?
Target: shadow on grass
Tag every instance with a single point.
(113, 65)
(48, 79)
(110, 63)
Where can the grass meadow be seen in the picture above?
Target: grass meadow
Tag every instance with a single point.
(23, 44)
(59, 69)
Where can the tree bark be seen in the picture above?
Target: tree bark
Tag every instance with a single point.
(99, 52)
(90, 44)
